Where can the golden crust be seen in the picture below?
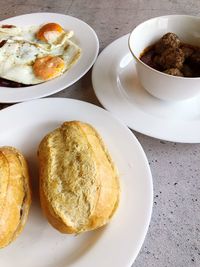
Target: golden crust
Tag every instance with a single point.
(15, 195)
(79, 185)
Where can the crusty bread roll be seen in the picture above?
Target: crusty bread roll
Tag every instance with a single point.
(79, 185)
(15, 195)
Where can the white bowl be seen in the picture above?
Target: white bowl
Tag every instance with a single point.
(161, 85)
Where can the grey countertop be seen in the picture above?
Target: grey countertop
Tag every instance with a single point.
(173, 238)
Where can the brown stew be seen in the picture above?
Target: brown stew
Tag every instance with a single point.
(171, 56)
(8, 83)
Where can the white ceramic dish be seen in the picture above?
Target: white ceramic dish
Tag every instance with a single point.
(117, 87)
(23, 126)
(159, 84)
(85, 37)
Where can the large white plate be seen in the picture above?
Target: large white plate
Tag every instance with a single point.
(84, 36)
(23, 126)
(117, 87)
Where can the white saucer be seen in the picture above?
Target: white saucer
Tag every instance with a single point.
(117, 87)
(84, 36)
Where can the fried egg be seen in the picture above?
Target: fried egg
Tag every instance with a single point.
(33, 54)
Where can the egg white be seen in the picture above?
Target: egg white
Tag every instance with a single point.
(21, 49)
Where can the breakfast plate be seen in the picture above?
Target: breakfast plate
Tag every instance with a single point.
(117, 87)
(41, 245)
(84, 36)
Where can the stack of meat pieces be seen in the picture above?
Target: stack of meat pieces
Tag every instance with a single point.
(173, 57)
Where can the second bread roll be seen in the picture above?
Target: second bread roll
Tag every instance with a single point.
(15, 194)
(79, 185)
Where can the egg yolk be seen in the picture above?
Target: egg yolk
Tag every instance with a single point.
(48, 67)
(49, 27)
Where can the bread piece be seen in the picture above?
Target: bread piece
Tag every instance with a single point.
(15, 195)
(79, 185)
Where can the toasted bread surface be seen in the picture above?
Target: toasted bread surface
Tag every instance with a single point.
(15, 194)
(79, 185)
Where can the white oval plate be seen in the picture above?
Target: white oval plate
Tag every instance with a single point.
(84, 36)
(117, 87)
(23, 126)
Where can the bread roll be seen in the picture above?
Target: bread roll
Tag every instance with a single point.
(15, 196)
(79, 185)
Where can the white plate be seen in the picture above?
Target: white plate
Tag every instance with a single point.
(117, 87)
(84, 36)
(23, 126)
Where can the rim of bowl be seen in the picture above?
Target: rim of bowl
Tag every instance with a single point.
(140, 61)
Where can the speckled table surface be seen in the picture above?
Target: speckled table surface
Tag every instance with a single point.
(173, 238)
